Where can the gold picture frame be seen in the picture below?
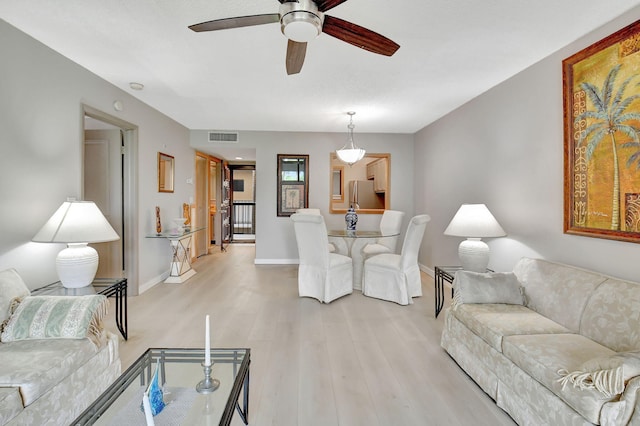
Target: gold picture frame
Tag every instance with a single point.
(166, 172)
(601, 88)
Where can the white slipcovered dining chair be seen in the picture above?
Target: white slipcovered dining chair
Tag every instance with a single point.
(322, 275)
(391, 223)
(308, 211)
(331, 245)
(396, 277)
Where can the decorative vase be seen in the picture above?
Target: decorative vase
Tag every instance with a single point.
(158, 223)
(351, 218)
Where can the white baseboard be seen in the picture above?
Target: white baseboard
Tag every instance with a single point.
(426, 270)
(152, 282)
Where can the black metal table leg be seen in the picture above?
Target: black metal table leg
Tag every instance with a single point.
(244, 412)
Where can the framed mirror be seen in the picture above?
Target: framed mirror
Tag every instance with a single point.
(366, 184)
(293, 183)
(337, 183)
(165, 172)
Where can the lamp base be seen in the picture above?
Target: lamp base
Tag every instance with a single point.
(474, 255)
(77, 265)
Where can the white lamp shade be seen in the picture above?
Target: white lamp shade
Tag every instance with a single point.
(77, 223)
(474, 221)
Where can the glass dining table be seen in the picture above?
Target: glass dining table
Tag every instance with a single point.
(351, 243)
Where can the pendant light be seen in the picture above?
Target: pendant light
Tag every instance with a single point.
(350, 153)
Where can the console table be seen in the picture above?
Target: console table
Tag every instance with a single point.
(116, 287)
(180, 268)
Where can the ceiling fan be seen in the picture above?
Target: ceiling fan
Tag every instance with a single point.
(303, 20)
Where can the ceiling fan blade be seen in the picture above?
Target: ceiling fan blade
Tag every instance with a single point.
(359, 36)
(240, 21)
(324, 5)
(295, 56)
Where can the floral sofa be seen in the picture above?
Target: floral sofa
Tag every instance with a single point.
(551, 344)
(55, 356)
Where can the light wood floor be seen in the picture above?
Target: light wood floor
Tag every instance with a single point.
(356, 361)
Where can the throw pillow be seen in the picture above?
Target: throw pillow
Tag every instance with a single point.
(487, 287)
(608, 374)
(66, 317)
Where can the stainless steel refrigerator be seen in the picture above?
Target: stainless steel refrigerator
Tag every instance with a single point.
(362, 195)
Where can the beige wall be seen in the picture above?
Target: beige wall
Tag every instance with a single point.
(275, 240)
(41, 117)
(505, 149)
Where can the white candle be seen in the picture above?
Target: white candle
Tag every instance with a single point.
(207, 343)
(147, 410)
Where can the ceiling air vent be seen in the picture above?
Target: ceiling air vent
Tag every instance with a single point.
(223, 137)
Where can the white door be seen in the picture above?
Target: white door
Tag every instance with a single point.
(103, 185)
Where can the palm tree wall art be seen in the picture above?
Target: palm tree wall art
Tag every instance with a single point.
(602, 138)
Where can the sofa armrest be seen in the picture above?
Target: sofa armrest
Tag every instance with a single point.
(622, 412)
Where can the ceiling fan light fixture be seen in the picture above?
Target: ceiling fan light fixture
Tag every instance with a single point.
(350, 153)
(301, 26)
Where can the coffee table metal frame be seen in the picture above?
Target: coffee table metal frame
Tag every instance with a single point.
(142, 370)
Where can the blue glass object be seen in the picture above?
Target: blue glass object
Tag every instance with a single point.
(154, 391)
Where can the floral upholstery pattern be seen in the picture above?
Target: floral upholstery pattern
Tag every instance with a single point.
(10, 404)
(489, 287)
(542, 355)
(35, 366)
(558, 292)
(523, 397)
(612, 316)
(571, 317)
(68, 398)
(493, 322)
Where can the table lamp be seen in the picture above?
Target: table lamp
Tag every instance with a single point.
(77, 223)
(474, 221)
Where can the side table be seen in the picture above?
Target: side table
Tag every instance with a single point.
(442, 274)
(180, 268)
(116, 287)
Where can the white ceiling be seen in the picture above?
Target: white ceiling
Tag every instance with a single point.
(451, 51)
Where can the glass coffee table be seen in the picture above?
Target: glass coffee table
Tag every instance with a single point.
(180, 370)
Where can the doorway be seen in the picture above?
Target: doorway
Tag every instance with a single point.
(103, 184)
(207, 203)
(243, 203)
(109, 163)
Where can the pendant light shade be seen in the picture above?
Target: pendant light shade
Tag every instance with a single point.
(350, 153)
